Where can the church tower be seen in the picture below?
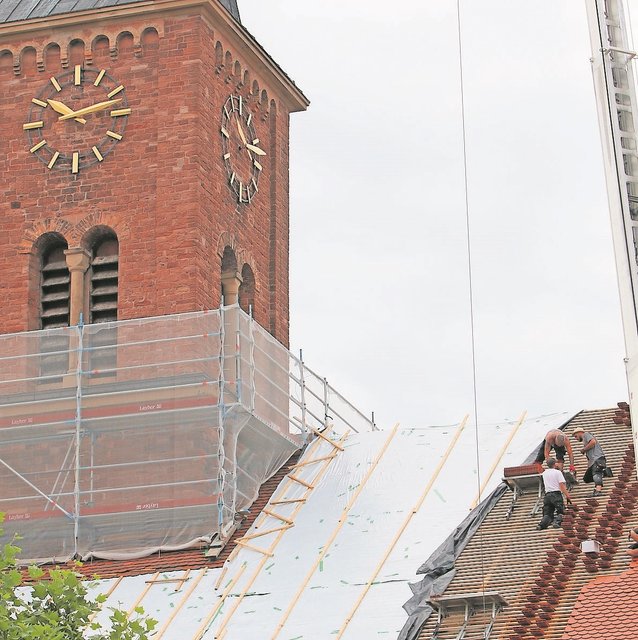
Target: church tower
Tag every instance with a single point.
(146, 389)
(168, 191)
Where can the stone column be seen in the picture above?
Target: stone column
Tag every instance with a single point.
(231, 281)
(78, 261)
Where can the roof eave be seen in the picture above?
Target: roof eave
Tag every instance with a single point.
(212, 10)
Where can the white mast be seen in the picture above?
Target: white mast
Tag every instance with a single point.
(612, 67)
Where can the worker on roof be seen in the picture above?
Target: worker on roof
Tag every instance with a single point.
(633, 548)
(595, 457)
(557, 440)
(555, 489)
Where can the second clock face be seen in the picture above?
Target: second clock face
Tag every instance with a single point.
(241, 148)
(77, 119)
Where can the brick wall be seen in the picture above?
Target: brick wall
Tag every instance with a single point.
(164, 188)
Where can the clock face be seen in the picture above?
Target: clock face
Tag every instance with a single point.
(77, 119)
(242, 155)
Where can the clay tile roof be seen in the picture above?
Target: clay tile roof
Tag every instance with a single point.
(15, 10)
(593, 617)
(541, 573)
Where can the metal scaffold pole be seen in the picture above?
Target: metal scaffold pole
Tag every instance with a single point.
(78, 430)
(220, 422)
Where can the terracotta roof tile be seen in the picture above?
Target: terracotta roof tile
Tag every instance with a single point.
(593, 617)
(541, 573)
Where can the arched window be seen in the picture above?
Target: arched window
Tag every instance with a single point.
(54, 306)
(104, 250)
(54, 283)
(230, 279)
(247, 289)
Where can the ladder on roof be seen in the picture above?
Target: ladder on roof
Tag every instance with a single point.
(469, 604)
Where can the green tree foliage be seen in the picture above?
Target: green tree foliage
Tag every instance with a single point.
(57, 608)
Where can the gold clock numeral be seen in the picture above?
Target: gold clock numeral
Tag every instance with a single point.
(241, 191)
(256, 141)
(54, 159)
(112, 134)
(120, 112)
(33, 125)
(227, 156)
(98, 155)
(257, 165)
(35, 147)
(39, 103)
(77, 75)
(241, 105)
(75, 164)
(249, 119)
(56, 84)
(232, 178)
(99, 78)
(115, 91)
(225, 133)
(254, 184)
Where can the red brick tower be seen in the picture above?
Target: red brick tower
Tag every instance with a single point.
(169, 186)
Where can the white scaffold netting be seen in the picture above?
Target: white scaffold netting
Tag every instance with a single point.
(124, 438)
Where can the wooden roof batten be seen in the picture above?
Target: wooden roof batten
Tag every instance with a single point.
(491, 602)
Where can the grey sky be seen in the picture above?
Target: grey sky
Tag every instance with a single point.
(379, 285)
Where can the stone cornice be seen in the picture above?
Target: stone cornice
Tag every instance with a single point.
(211, 10)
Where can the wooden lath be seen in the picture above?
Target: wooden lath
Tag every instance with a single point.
(277, 516)
(247, 545)
(219, 604)
(403, 526)
(288, 501)
(223, 626)
(300, 481)
(259, 534)
(342, 520)
(189, 592)
(305, 463)
(149, 584)
(179, 581)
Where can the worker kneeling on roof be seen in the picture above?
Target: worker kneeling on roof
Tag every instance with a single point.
(555, 489)
(557, 440)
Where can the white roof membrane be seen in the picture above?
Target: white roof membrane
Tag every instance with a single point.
(358, 515)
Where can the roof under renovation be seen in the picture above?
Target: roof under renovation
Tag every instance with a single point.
(540, 575)
(334, 549)
(14, 10)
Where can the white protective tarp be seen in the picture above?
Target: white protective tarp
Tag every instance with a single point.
(292, 596)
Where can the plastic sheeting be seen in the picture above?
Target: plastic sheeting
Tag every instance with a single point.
(291, 595)
(121, 439)
(281, 599)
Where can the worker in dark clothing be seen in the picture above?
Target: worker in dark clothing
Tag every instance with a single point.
(557, 440)
(555, 489)
(595, 457)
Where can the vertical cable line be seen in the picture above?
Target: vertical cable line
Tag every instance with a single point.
(470, 283)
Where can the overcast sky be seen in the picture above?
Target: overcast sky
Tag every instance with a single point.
(379, 269)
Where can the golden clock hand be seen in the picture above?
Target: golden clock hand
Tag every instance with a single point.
(60, 107)
(100, 106)
(257, 150)
(241, 133)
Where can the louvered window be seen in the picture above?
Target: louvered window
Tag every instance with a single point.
(55, 281)
(54, 312)
(103, 306)
(103, 296)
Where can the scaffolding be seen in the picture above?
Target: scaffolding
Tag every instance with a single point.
(121, 439)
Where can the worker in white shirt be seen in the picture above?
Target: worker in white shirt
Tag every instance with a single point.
(555, 489)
